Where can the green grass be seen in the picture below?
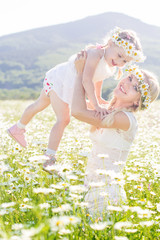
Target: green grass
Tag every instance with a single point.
(36, 205)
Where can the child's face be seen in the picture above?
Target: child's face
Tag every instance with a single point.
(116, 56)
(127, 90)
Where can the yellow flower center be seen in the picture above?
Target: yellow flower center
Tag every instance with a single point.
(58, 223)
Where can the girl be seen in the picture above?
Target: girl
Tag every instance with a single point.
(122, 47)
(114, 136)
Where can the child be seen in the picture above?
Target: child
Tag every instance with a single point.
(122, 47)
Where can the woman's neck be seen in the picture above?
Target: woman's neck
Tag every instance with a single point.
(119, 105)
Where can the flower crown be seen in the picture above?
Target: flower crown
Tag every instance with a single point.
(128, 47)
(143, 87)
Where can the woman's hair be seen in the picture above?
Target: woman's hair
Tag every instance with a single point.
(154, 89)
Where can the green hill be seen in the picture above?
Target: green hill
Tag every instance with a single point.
(26, 56)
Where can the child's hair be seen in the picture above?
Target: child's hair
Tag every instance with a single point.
(127, 35)
(154, 90)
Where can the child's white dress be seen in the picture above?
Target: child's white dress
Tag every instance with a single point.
(62, 78)
(104, 177)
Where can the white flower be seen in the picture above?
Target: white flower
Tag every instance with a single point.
(84, 154)
(114, 208)
(64, 231)
(3, 156)
(82, 204)
(71, 176)
(130, 230)
(8, 204)
(99, 226)
(27, 233)
(18, 238)
(44, 190)
(38, 158)
(78, 188)
(153, 193)
(17, 226)
(146, 213)
(58, 223)
(120, 238)
(81, 162)
(60, 185)
(3, 212)
(25, 206)
(119, 225)
(26, 199)
(74, 220)
(75, 196)
(147, 223)
(158, 207)
(142, 213)
(62, 208)
(44, 205)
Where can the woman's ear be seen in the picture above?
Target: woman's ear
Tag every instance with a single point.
(136, 104)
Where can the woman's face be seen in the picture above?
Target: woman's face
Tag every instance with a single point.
(116, 56)
(127, 90)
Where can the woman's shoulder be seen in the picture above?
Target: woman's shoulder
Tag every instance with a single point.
(132, 119)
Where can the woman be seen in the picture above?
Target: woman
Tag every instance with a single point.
(113, 135)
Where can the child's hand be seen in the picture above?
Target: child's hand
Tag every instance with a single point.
(80, 61)
(100, 111)
(102, 101)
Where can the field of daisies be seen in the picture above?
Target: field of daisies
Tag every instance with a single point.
(37, 205)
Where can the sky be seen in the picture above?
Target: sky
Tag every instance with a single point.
(22, 15)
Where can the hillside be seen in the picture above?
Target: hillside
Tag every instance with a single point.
(26, 56)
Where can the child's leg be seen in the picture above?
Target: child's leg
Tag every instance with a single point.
(62, 112)
(40, 104)
(17, 130)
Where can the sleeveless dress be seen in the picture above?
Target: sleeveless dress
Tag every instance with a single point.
(103, 176)
(62, 78)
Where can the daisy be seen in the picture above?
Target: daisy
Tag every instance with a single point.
(99, 226)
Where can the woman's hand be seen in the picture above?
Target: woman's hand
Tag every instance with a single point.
(80, 61)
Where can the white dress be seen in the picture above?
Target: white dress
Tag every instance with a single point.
(62, 78)
(104, 178)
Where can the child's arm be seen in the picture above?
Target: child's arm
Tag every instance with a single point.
(93, 57)
(98, 88)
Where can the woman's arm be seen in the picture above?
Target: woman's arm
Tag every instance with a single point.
(79, 108)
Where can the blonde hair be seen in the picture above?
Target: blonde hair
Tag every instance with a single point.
(154, 90)
(128, 35)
